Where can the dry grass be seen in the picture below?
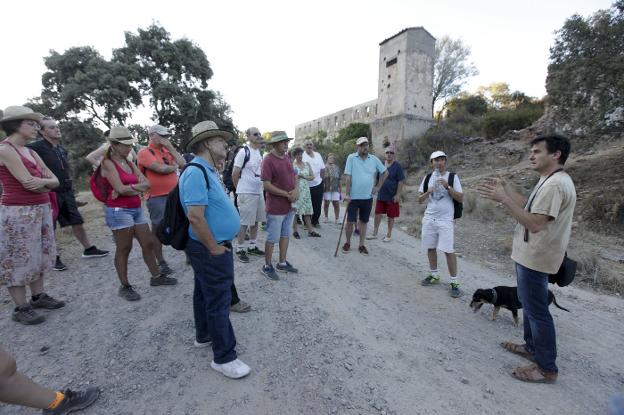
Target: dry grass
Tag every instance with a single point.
(482, 209)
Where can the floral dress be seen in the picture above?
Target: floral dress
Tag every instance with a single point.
(303, 205)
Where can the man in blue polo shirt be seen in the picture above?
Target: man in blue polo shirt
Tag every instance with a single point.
(360, 173)
(214, 222)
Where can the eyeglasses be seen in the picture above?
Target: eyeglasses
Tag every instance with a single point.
(389, 152)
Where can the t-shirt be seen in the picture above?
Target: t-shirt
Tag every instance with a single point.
(317, 164)
(391, 184)
(363, 174)
(160, 183)
(55, 158)
(280, 172)
(545, 250)
(249, 181)
(440, 209)
(220, 213)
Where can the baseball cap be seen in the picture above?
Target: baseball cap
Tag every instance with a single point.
(437, 154)
(361, 140)
(159, 129)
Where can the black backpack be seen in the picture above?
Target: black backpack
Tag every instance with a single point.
(458, 206)
(229, 168)
(173, 229)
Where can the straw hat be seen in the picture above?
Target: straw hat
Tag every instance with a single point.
(122, 135)
(17, 112)
(204, 130)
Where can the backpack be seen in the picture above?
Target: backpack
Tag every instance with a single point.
(229, 168)
(458, 207)
(173, 229)
(98, 186)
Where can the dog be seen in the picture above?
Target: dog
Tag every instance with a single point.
(506, 297)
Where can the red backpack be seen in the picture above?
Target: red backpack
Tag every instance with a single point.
(99, 186)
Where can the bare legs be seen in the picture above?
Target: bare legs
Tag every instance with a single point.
(123, 246)
(451, 261)
(268, 250)
(17, 389)
(361, 227)
(19, 293)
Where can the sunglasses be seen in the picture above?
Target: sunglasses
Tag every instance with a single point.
(256, 134)
(389, 152)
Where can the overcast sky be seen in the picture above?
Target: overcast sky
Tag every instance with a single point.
(280, 63)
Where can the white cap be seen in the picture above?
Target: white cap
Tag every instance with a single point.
(361, 140)
(437, 154)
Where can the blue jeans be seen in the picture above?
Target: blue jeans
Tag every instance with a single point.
(214, 276)
(539, 328)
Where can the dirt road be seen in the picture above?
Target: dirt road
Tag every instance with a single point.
(348, 335)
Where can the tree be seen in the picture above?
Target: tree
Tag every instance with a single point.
(470, 104)
(451, 68)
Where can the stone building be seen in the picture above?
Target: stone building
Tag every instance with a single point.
(403, 105)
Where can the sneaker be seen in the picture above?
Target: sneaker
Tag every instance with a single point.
(74, 401)
(26, 315)
(164, 268)
(363, 250)
(127, 292)
(235, 369)
(314, 234)
(242, 256)
(286, 268)
(386, 239)
(269, 271)
(455, 292)
(346, 247)
(93, 252)
(430, 280)
(199, 345)
(255, 251)
(240, 307)
(162, 280)
(369, 237)
(296, 235)
(58, 265)
(47, 302)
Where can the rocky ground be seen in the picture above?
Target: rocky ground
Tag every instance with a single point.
(347, 335)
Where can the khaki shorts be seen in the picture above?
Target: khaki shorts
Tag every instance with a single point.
(251, 209)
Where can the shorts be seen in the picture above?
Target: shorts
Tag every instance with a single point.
(251, 209)
(279, 226)
(331, 196)
(68, 211)
(387, 208)
(363, 206)
(156, 208)
(121, 218)
(438, 234)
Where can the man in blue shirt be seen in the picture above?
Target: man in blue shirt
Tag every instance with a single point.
(214, 222)
(360, 173)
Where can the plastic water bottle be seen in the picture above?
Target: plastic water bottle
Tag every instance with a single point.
(438, 192)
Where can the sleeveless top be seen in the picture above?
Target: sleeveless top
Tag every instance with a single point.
(127, 202)
(13, 193)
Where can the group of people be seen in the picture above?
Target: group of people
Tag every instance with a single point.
(271, 189)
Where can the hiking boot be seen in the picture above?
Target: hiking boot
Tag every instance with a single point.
(164, 268)
(269, 271)
(242, 256)
(255, 251)
(455, 292)
(235, 369)
(286, 268)
(47, 302)
(93, 252)
(363, 250)
(240, 307)
(127, 292)
(74, 401)
(162, 280)
(346, 247)
(430, 280)
(26, 315)
(199, 344)
(58, 265)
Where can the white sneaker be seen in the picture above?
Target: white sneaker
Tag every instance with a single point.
(369, 237)
(204, 344)
(386, 239)
(235, 369)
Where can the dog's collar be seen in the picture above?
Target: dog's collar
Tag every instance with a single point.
(494, 296)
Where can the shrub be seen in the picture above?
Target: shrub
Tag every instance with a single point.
(496, 123)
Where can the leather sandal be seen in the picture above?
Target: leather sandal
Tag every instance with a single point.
(519, 349)
(534, 374)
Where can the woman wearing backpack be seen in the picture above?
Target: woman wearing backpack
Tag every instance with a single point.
(27, 249)
(123, 211)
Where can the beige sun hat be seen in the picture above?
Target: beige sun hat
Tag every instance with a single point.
(277, 136)
(122, 135)
(204, 130)
(18, 112)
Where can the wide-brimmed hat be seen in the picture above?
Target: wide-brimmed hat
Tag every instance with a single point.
(204, 130)
(437, 154)
(18, 112)
(122, 135)
(278, 136)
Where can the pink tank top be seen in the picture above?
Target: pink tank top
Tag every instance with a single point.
(13, 193)
(128, 202)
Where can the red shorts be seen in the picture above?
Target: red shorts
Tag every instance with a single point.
(387, 208)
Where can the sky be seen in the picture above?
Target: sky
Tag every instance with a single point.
(281, 63)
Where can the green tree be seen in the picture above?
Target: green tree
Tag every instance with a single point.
(470, 104)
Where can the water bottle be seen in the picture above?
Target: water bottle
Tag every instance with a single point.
(438, 192)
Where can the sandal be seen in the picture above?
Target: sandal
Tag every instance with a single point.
(534, 374)
(314, 234)
(519, 349)
(346, 247)
(296, 235)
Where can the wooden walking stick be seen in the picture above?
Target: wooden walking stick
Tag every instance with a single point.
(341, 229)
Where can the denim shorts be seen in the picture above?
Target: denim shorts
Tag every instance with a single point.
(121, 218)
(278, 226)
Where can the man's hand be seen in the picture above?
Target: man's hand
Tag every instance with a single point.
(347, 198)
(443, 183)
(218, 250)
(375, 190)
(396, 198)
(492, 188)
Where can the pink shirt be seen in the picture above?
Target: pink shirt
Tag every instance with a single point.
(13, 193)
(128, 202)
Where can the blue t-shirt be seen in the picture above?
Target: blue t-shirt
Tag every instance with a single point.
(363, 174)
(220, 213)
(391, 184)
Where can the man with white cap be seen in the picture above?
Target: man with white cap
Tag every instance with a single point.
(360, 172)
(159, 162)
(439, 189)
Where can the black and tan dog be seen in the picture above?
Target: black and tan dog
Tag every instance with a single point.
(506, 297)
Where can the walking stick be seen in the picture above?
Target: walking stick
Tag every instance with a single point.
(341, 229)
